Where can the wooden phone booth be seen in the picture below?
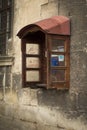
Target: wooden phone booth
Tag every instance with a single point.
(45, 49)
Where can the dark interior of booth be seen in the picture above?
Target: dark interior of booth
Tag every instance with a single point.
(38, 37)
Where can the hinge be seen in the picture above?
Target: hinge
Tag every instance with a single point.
(45, 53)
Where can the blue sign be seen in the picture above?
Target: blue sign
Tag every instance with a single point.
(55, 61)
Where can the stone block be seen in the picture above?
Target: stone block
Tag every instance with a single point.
(78, 71)
(17, 80)
(46, 116)
(49, 9)
(82, 98)
(28, 113)
(24, 96)
(27, 96)
(2, 108)
(53, 98)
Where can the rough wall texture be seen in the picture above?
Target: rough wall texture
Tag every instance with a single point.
(40, 109)
(77, 11)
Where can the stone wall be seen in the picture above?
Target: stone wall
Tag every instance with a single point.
(41, 109)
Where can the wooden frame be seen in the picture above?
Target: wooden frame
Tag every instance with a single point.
(39, 57)
(44, 67)
(59, 84)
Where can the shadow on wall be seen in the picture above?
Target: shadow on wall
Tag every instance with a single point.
(56, 98)
(62, 100)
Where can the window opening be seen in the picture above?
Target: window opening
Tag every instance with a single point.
(59, 61)
(5, 23)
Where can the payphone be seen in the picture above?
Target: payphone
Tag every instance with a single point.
(46, 53)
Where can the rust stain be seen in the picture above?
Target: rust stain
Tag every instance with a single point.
(54, 25)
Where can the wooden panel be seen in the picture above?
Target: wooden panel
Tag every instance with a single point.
(32, 76)
(59, 48)
(32, 62)
(32, 48)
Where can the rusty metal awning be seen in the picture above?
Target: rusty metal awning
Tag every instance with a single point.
(54, 25)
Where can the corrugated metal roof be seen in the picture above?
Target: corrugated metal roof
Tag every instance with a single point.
(54, 25)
